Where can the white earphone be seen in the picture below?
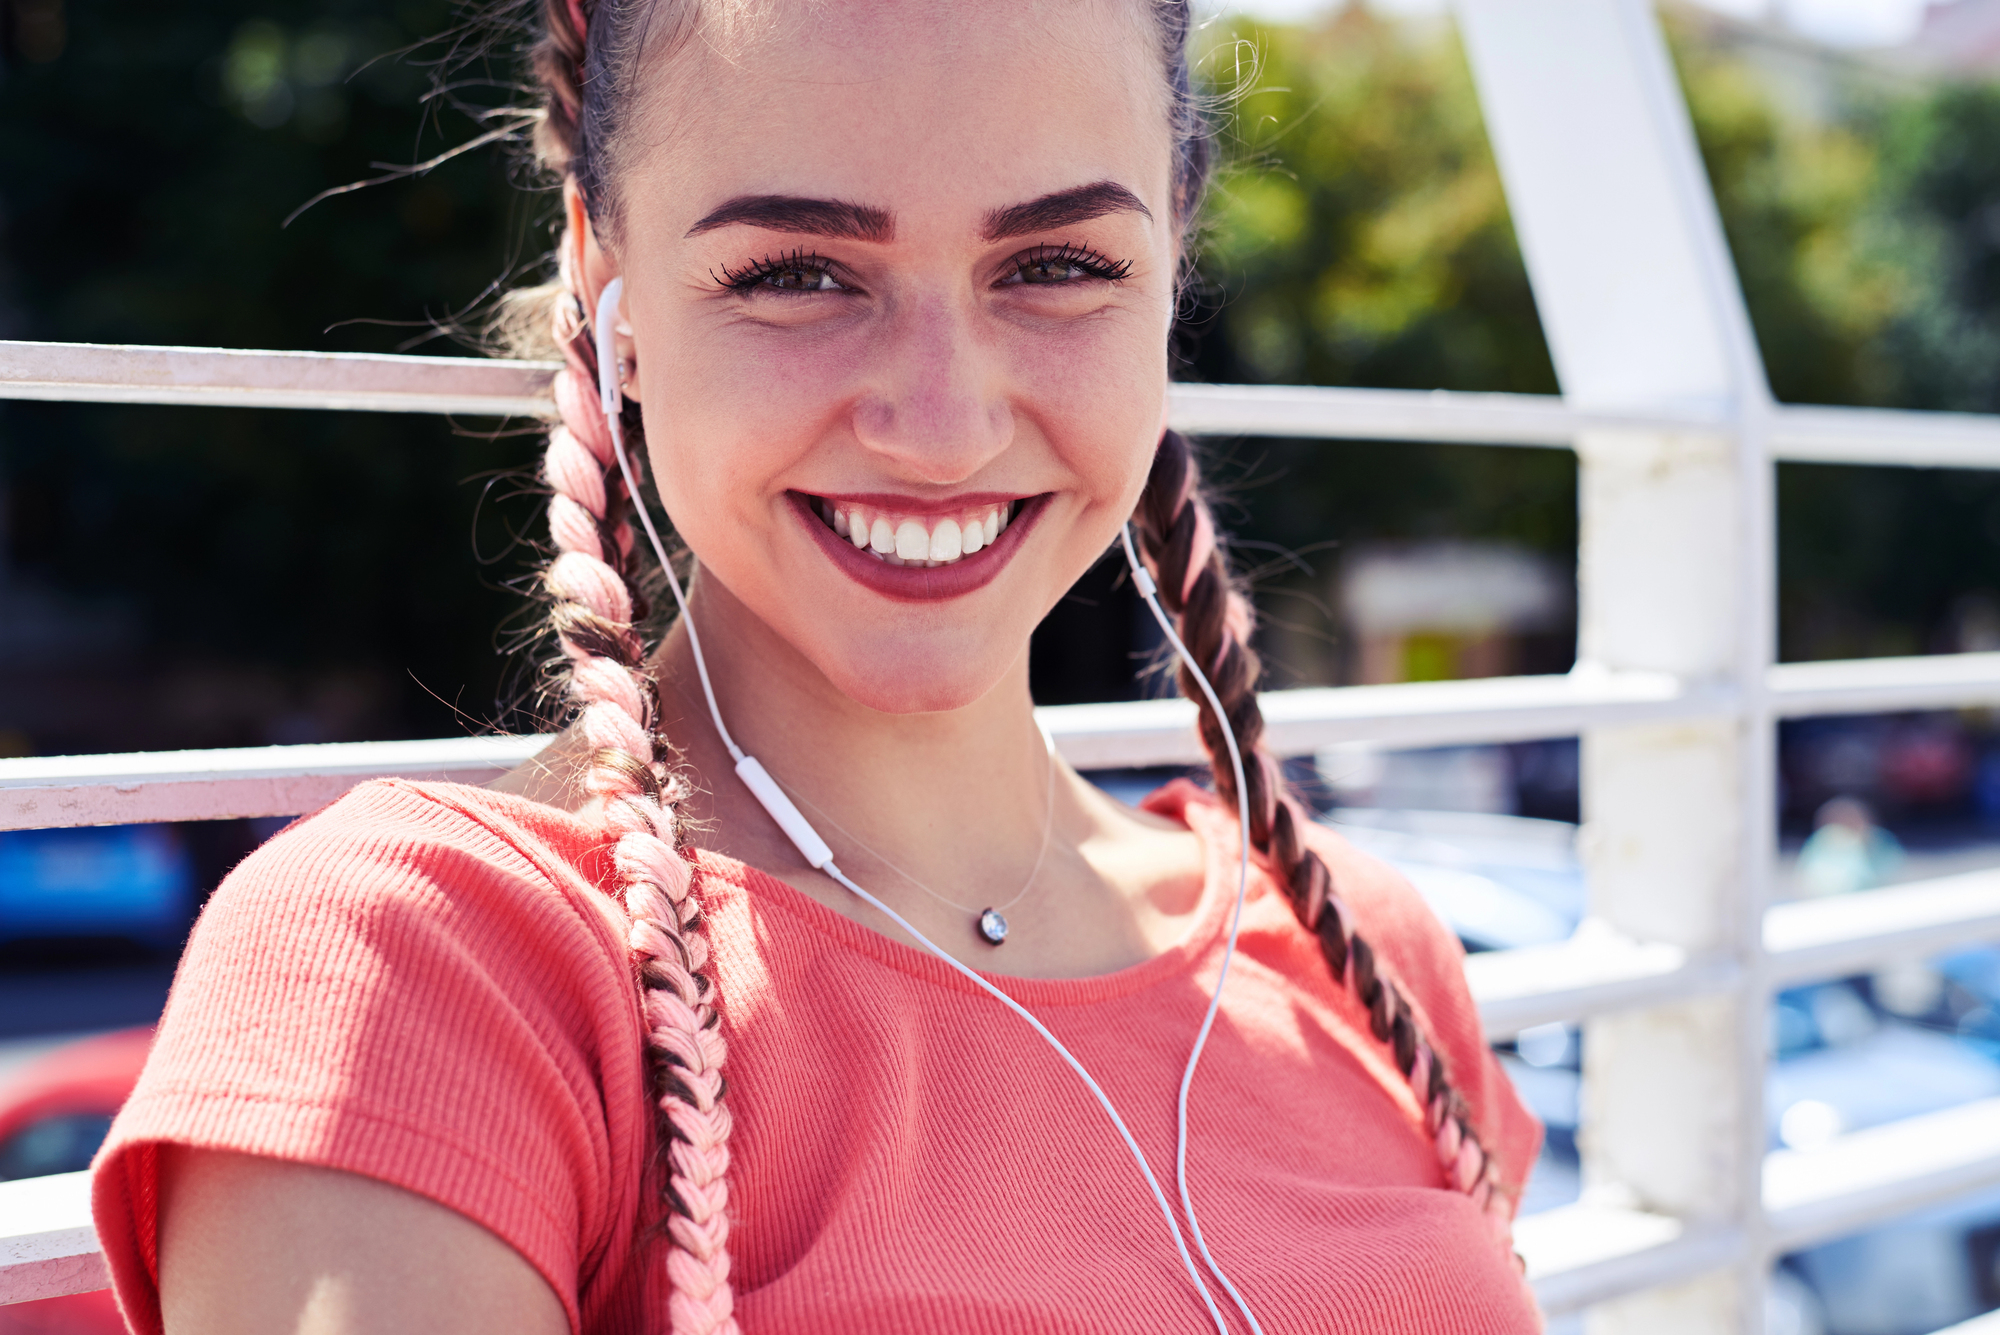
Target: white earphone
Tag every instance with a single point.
(819, 856)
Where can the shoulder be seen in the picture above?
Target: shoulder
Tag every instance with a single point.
(399, 860)
(1421, 957)
(1427, 964)
(420, 984)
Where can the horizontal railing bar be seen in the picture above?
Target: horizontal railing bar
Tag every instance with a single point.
(143, 786)
(48, 1247)
(366, 382)
(1406, 714)
(1885, 685)
(481, 386)
(127, 373)
(1802, 434)
(1594, 972)
(1329, 413)
(1866, 1176)
(44, 792)
(1849, 934)
(1582, 1254)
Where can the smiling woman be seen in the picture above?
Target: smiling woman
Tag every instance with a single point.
(880, 296)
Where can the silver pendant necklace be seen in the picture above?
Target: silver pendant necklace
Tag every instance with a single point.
(989, 922)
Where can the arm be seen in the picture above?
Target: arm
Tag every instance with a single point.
(259, 1246)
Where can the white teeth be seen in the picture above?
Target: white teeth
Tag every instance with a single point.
(913, 541)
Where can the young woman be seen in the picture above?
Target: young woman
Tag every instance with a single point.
(895, 287)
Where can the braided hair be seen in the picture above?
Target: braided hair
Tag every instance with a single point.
(585, 64)
(1215, 619)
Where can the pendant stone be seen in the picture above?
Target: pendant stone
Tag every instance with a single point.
(992, 926)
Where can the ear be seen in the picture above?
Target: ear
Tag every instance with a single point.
(590, 269)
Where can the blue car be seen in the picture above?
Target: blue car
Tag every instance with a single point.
(131, 881)
(1848, 1054)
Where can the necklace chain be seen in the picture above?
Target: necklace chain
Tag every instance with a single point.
(1048, 824)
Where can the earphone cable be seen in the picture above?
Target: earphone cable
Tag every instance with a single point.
(816, 853)
(1041, 854)
(1148, 590)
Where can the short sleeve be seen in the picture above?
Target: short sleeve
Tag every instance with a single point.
(400, 988)
(1428, 963)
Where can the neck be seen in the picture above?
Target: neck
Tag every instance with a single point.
(957, 799)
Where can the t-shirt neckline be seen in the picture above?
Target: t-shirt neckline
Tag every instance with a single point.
(1218, 896)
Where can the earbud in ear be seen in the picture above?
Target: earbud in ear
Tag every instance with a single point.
(608, 377)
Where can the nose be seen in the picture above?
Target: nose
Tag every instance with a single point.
(935, 409)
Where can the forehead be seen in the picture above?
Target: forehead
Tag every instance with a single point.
(930, 108)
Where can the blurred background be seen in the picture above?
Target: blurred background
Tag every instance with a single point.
(197, 577)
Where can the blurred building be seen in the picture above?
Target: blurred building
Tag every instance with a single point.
(1440, 611)
(1957, 37)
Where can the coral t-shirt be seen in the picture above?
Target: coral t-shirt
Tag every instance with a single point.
(427, 984)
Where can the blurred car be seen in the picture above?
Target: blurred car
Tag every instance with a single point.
(132, 881)
(56, 1109)
(1847, 1054)
(54, 1113)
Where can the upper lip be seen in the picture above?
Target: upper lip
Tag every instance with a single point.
(902, 504)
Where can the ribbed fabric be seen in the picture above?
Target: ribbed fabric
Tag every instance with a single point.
(422, 984)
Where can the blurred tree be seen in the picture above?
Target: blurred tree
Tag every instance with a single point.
(1358, 235)
(295, 575)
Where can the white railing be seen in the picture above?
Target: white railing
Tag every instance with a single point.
(1675, 701)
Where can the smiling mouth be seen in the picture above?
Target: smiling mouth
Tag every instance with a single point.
(923, 541)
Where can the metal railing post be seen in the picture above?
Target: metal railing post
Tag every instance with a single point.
(1640, 305)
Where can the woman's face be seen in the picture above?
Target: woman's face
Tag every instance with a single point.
(899, 279)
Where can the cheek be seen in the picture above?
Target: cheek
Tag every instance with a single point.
(1096, 394)
(727, 414)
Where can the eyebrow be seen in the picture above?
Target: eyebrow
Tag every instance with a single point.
(1062, 209)
(791, 213)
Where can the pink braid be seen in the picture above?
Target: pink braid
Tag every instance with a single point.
(614, 702)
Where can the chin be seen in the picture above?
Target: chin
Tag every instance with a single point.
(915, 683)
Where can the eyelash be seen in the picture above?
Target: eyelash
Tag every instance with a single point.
(750, 276)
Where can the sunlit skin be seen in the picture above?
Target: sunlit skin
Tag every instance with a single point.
(929, 359)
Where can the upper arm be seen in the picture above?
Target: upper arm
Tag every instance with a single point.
(258, 1245)
(387, 997)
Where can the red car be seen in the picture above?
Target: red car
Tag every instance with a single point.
(54, 1112)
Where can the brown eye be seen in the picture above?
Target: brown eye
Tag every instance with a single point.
(801, 279)
(1052, 269)
(1057, 266)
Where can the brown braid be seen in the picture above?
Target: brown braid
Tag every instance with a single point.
(1214, 618)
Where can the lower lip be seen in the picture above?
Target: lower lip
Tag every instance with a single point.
(923, 584)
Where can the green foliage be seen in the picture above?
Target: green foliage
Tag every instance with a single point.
(1359, 235)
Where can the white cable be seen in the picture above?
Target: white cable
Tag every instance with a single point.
(814, 849)
(611, 399)
(1148, 590)
(1166, 1211)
